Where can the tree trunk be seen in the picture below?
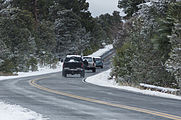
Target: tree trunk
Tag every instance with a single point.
(180, 86)
(35, 11)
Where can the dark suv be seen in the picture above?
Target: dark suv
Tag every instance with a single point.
(73, 64)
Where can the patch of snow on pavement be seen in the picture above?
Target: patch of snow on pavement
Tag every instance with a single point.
(101, 79)
(15, 112)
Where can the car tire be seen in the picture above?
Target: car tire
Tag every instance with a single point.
(82, 74)
(64, 74)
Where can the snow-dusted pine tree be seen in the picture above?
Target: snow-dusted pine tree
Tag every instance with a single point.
(144, 55)
(71, 37)
(173, 64)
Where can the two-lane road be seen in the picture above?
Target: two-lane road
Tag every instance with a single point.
(60, 98)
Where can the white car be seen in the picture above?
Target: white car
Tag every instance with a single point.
(91, 65)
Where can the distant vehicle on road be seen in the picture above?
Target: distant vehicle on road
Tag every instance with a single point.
(73, 64)
(99, 62)
(91, 63)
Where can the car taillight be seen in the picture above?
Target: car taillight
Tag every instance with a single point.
(82, 65)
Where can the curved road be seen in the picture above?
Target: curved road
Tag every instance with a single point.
(59, 98)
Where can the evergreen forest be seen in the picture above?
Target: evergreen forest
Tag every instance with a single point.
(147, 40)
(40, 32)
(148, 49)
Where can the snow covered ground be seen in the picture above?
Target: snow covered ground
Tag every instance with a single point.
(41, 71)
(101, 79)
(16, 112)
(46, 70)
(102, 51)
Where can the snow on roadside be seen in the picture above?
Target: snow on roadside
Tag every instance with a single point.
(101, 79)
(41, 71)
(16, 112)
(102, 51)
(159, 88)
(46, 70)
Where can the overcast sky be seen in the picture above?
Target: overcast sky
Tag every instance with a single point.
(98, 7)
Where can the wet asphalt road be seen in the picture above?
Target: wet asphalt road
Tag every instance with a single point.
(111, 104)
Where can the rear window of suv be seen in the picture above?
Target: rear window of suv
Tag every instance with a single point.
(98, 59)
(89, 59)
(76, 59)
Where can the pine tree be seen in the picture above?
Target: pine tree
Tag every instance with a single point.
(67, 28)
(145, 60)
(77, 6)
(18, 38)
(173, 64)
(130, 6)
(39, 8)
(6, 65)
